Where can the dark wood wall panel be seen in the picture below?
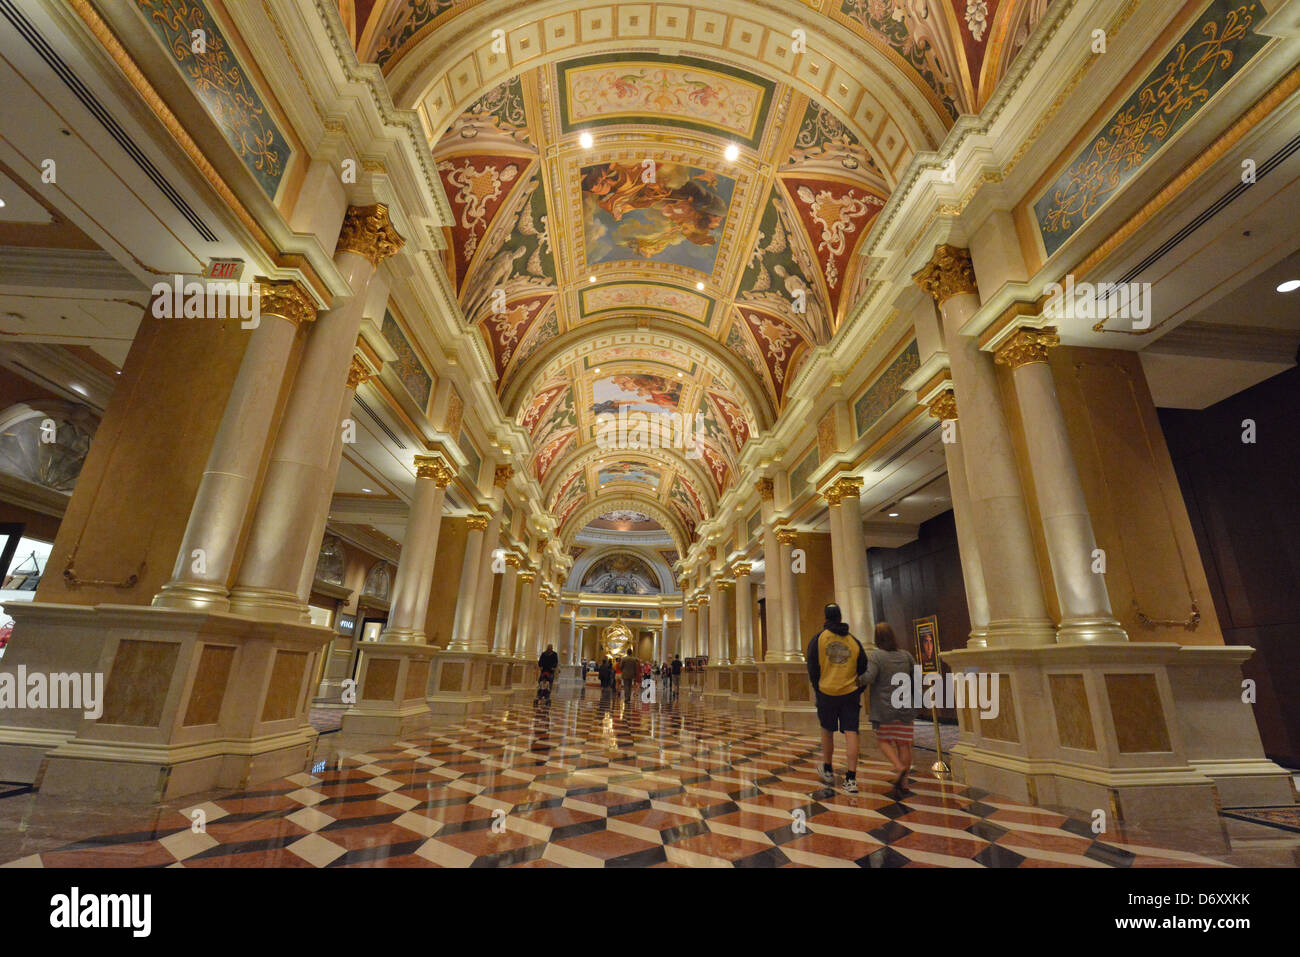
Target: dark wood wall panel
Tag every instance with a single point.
(1244, 502)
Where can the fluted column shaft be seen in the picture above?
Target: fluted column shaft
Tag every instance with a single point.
(857, 575)
(205, 562)
(773, 605)
(411, 588)
(527, 596)
(1086, 614)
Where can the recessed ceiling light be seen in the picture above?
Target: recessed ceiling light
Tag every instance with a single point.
(365, 490)
(591, 279)
(596, 370)
(679, 375)
(585, 140)
(76, 388)
(699, 285)
(2, 204)
(732, 152)
(893, 515)
(1291, 285)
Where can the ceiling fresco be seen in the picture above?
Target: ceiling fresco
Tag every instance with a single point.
(688, 197)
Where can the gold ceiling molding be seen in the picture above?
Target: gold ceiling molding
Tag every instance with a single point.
(126, 63)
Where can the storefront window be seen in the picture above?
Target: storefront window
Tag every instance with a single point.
(19, 585)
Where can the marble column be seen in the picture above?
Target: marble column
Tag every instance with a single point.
(791, 646)
(744, 615)
(688, 630)
(664, 650)
(283, 535)
(853, 555)
(716, 615)
(703, 631)
(413, 582)
(722, 620)
(462, 638)
(501, 644)
(527, 597)
(224, 501)
(1086, 614)
(944, 407)
(773, 606)
(834, 518)
(570, 657)
(481, 630)
(1017, 608)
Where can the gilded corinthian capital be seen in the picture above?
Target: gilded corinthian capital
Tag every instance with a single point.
(503, 475)
(944, 405)
(765, 488)
(368, 232)
(476, 523)
(1026, 346)
(948, 274)
(432, 467)
(285, 299)
(787, 536)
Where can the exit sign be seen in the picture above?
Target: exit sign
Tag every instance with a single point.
(224, 269)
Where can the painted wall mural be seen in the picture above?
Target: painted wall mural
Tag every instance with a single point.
(410, 370)
(678, 218)
(1207, 56)
(886, 390)
(621, 574)
(636, 393)
(628, 471)
(696, 94)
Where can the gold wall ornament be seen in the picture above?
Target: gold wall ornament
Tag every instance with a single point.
(358, 372)
(944, 405)
(432, 467)
(512, 560)
(527, 577)
(503, 475)
(286, 299)
(787, 536)
(948, 274)
(742, 568)
(476, 523)
(368, 232)
(713, 553)
(1026, 346)
(766, 489)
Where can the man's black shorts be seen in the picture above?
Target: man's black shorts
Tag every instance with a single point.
(839, 712)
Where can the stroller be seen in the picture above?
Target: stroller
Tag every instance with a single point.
(545, 679)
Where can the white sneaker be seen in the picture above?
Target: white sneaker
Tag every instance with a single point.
(828, 777)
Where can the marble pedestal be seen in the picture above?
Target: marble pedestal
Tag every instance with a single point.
(745, 686)
(193, 701)
(523, 681)
(786, 697)
(458, 685)
(338, 669)
(1153, 734)
(717, 686)
(500, 686)
(392, 679)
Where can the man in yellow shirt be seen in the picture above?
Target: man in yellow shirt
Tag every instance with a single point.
(836, 660)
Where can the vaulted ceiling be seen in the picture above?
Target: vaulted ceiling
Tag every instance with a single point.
(669, 234)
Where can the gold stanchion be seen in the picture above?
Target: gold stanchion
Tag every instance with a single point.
(939, 769)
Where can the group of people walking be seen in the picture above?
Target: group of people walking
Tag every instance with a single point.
(840, 669)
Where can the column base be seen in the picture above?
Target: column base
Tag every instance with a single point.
(192, 596)
(392, 678)
(1020, 633)
(745, 687)
(191, 701)
(458, 685)
(1078, 631)
(267, 604)
(786, 697)
(1153, 734)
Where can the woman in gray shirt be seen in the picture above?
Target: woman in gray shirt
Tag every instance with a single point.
(893, 725)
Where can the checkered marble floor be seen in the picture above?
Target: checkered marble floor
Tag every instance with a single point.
(592, 783)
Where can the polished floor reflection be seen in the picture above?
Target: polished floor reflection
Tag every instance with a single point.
(589, 782)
